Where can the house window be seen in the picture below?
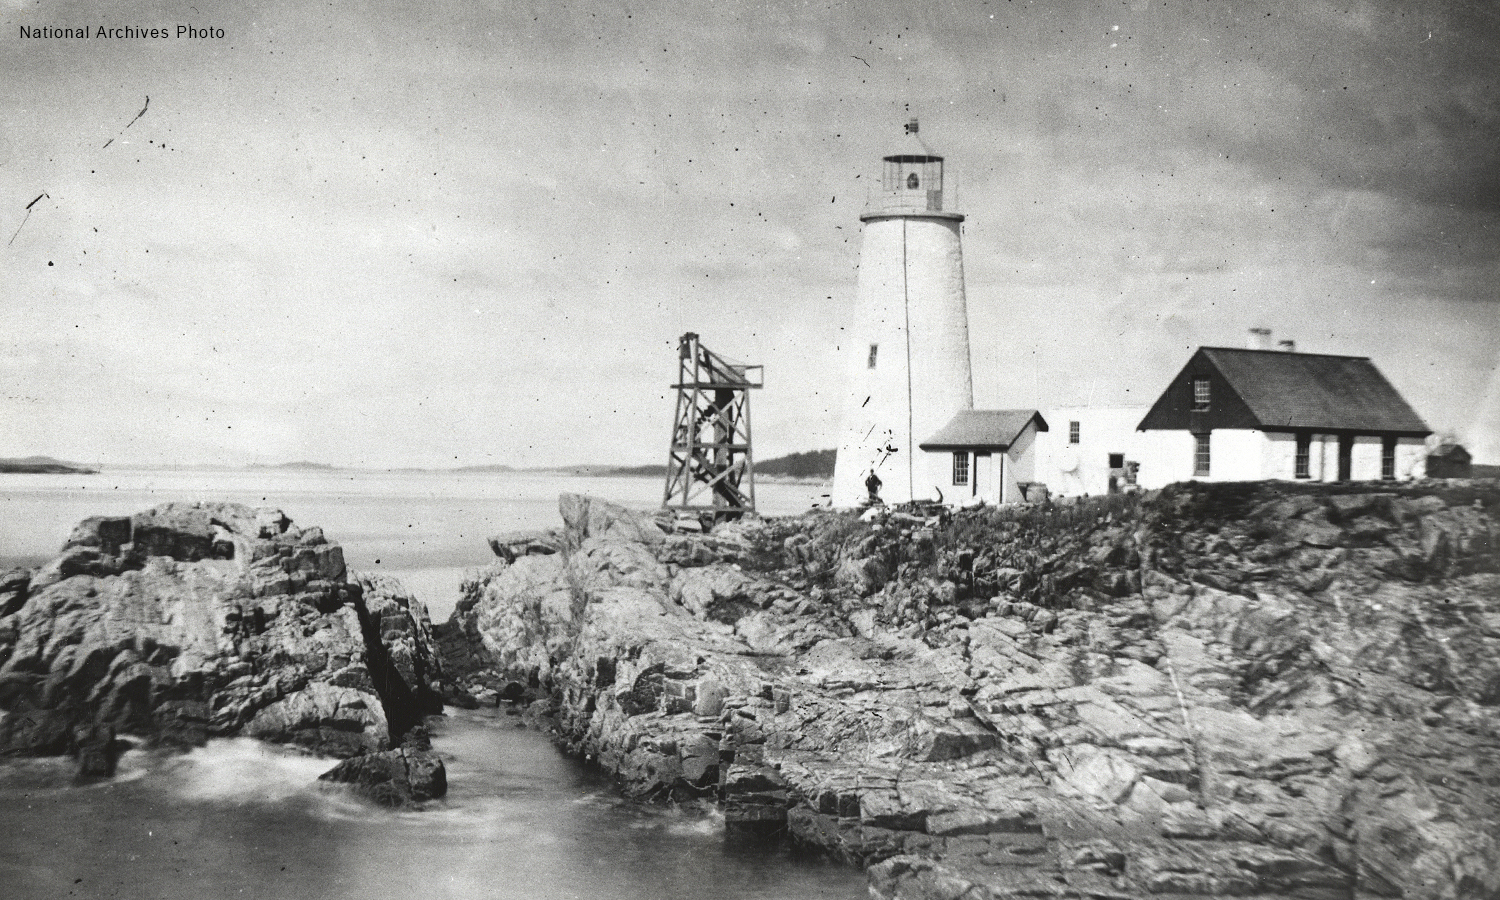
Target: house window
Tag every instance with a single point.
(1388, 458)
(1302, 462)
(1073, 432)
(874, 349)
(1200, 454)
(1117, 460)
(1200, 393)
(961, 467)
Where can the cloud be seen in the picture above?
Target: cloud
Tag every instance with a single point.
(322, 243)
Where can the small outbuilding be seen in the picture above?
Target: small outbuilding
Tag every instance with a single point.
(1246, 415)
(984, 454)
(1450, 461)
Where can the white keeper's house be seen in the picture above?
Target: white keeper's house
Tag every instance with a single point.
(1248, 415)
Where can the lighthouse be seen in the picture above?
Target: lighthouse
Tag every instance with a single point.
(907, 354)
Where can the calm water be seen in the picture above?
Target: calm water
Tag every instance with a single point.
(242, 819)
(426, 528)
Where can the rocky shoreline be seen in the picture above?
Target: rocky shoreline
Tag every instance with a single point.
(1268, 690)
(191, 621)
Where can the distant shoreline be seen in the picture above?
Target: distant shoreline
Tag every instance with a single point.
(43, 465)
(811, 467)
(22, 467)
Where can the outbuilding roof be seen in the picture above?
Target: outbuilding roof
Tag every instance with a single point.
(984, 429)
(1454, 452)
(1281, 391)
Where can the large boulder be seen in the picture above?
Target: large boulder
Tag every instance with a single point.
(195, 620)
(399, 777)
(589, 517)
(404, 643)
(97, 751)
(14, 586)
(512, 544)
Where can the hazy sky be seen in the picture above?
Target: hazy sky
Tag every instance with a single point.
(467, 233)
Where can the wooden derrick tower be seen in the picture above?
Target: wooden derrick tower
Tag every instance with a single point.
(710, 467)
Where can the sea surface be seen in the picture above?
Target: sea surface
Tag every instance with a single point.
(426, 528)
(239, 818)
(243, 819)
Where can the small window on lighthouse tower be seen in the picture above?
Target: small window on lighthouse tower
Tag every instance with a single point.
(913, 182)
(874, 348)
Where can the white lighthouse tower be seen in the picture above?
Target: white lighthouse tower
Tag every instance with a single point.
(908, 354)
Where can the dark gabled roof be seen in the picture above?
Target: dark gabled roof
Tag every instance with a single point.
(1451, 451)
(984, 429)
(1283, 390)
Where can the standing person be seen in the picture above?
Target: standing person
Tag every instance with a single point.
(872, 484)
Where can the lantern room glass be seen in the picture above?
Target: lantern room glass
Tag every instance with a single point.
(919, 173)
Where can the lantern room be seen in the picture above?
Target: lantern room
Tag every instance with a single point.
(911, 180)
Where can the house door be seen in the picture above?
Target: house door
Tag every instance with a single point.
(982, 475)
(1346, 456)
